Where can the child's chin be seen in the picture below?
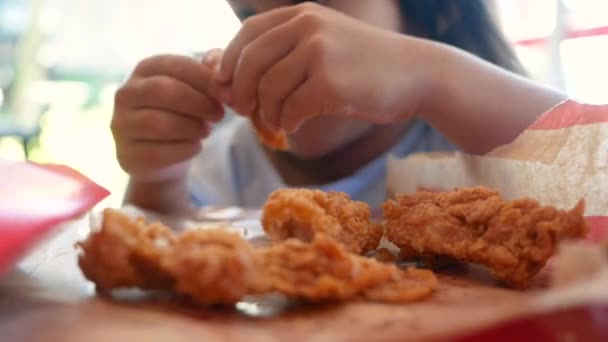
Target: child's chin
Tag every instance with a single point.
(324, 136)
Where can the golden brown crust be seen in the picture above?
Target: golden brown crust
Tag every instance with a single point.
(513, 238)
(212, 266)
(304, 213)
(274, 140)
(125, 253)
(410, 285)
(324, 271)
(220, 267)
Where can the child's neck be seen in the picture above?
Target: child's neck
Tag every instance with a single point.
(339, 164)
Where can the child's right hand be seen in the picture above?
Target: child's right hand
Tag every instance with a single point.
(161, 115)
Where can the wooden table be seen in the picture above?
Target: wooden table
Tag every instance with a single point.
(47, 299)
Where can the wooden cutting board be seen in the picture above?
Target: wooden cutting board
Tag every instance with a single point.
(47, 299)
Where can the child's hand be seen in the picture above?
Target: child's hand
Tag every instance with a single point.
(161, 114)
(299, 62)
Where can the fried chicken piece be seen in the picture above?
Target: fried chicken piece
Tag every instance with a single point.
(217, 266)
(303, 213)
(274, 140)
(212, 266)
(427, 260)
(126, 253)
(410, 285)
(323, 270)
(513, 238)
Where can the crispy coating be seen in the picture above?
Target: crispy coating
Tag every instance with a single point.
(219, 267)
(513, 238)
(304, 213)
(323, 270)
(125, 253)
(274, 140)
(429, 260)
(212, 266)
(410, 285)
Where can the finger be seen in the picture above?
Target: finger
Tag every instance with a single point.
(169, 94)
(151, 124)
(185, 69)
(260, 125)
(212, 58)
(256, 58)
(222, 92)
(252, 28)
(305, 103)
(278, 83)
(149, 155)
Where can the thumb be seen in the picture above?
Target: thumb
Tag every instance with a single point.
(212, 59)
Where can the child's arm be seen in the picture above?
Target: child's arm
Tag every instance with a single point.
(479, 106)
(298, 62)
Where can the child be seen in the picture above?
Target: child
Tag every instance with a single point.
(349, 81)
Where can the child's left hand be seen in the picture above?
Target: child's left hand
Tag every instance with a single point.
(303, 61)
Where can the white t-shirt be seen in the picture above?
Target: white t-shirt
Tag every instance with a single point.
(232, 169)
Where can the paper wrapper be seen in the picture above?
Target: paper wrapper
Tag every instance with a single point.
(559, 159)
(34, 199)
(459, 306)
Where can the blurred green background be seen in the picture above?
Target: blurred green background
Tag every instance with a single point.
(62, 60)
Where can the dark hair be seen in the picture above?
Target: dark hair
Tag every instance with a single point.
(467, 24)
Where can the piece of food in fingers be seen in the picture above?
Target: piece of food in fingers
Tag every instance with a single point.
(214, 266)
(304, 213)
(274, 140)
(513, 238)
(126, 252)
(323, 270)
